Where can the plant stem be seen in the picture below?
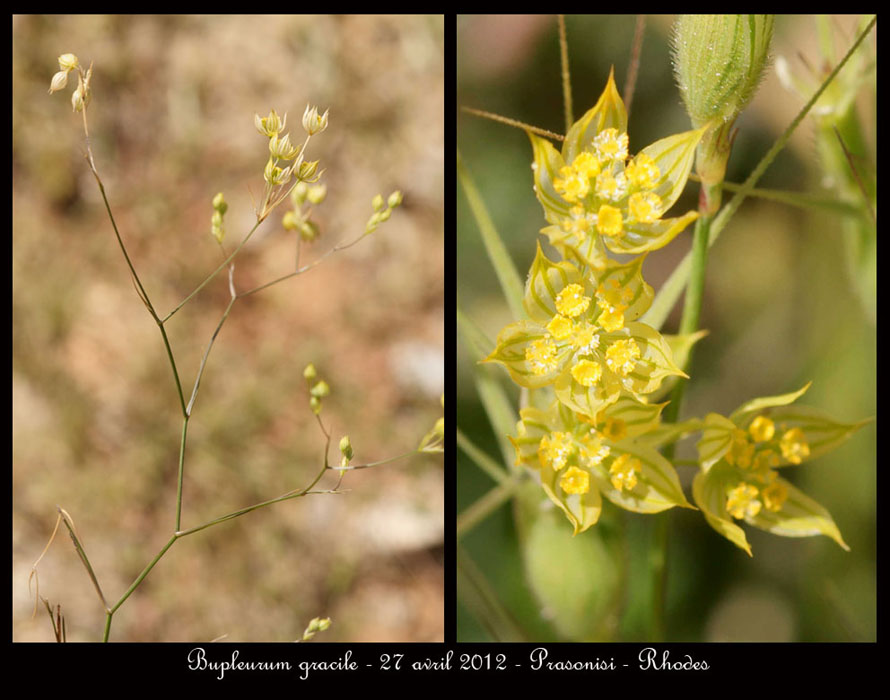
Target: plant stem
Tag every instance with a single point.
(658, 557)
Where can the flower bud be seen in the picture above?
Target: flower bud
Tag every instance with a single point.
(77, 99)
(346, 447)
(290, 221)
(269, 126)
(275, 175)
(282, 148)
(60, 80)
(317, 194)
(395, 199)
(312, 123)
(216, 226)
(321, 389)
(315, 404)
(377, 202)
(298, 193)
(307, 169)
(719, 61)
(309, 373)
(67, 62)
(219, 203)
(308, 230)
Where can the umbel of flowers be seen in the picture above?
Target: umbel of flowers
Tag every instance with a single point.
(597, 368)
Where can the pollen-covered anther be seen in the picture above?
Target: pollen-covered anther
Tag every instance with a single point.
(593, 451)
(794, 446)
(623, 472)
(555, 449)
(573, 186)
(560, 327)
(742, 501)
(541, 356)
(587, 373)
(774, 496)
(609, 186)
(611, 145)
(575, 481)
(609, 221)
(571, 301)
(762, 429)
(642, 171)
(645, 207)
(585, 340)
(622, 355)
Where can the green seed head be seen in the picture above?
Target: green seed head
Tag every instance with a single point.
(719, 61)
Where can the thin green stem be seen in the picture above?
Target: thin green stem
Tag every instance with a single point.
(214, 273)
(566, 80)
(481, 459)
(487, 504)
(173, 366)
(367, 465)
(141, 577)
(181, 475)
(292, 494)
(632, 70)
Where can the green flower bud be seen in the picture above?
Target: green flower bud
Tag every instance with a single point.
(309, 373)
(315, 404)
(377, 202)
(317, 194)
(298, 193)
(308, 230)
(719, 61)
(290, 221)
(320, 389)
(307, 169)
(219, 203)
(346, 448)
(395, 199)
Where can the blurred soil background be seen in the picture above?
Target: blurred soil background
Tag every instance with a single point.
(781, 304)
(96, 418)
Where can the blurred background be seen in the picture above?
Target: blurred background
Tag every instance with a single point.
(96, 418)
(789, 298)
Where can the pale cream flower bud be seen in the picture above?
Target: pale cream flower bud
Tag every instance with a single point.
(312, 123)
(60, 80)
(67, 62)
(269, 126)
(282, 147)
(307, 169)
(77, 99)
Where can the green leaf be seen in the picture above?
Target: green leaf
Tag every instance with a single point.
(546, 280)
(510, 352)
(608, 112)
(511, 283)
(822, 433)
(680, 346)
(658, 487)
(716, 440)
(709, 494)
(747, 410)
(800, 516)
(582, 509)
(640, 238)
(674, 157)
(546, 167)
